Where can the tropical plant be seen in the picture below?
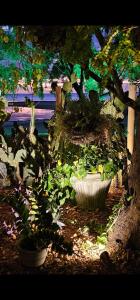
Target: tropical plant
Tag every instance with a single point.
(35, 224)
(103, 231)
(80, 118)
(56, 183)
(100, 147)
(101, 159)
(25, 151)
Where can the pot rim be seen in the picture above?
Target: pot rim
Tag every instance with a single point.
(89, 174)
(32, 251)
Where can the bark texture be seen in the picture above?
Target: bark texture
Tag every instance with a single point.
(126, 229)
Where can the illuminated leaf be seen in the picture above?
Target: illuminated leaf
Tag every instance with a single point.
(59, 163)
(39, 76)
(6, 39)
(100, 169)
(34, 207)
(62, 201)
(93, 170)
(32, 212)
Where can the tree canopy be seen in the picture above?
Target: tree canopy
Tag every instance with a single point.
(21, 61)
(116, 57)
(53, 51)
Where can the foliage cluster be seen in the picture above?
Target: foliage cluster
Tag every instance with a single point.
(102, 230)
(99, 159)
(34, 221)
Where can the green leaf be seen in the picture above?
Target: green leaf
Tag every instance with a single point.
(60, 194)
(62, 201)
(108, 166)
(32, 212)
(101, 240)
(34, 207)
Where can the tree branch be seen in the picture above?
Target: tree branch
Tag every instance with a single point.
(76, 86)
(100, 37)
(109, 85)
(117, 83)
(79, 91)
(116, 80)
(123, 96)
(82, 78)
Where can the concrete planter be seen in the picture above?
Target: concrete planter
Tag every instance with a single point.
(91, 191)
(32, 258)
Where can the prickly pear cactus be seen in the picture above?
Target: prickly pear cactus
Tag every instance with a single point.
(7, 156)
(3, 170)
(4, 180)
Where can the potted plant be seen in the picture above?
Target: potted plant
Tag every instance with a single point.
(36, 225)
(94, 170)
(92, 142)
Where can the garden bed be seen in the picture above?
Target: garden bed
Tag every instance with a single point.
(78, 228)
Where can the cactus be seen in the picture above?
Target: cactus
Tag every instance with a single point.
(25, 161)
(3, 170)
(7, 156)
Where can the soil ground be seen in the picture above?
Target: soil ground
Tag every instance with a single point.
(80, 228)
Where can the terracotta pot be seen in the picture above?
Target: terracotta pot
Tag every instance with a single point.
(91, 191)
(34, 258)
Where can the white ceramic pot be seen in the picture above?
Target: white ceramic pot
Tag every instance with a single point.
(91, 191)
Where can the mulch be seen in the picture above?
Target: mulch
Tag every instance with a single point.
(86, 257)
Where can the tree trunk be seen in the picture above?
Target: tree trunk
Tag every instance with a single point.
(134, 176)
(78, 87)
(79, 91)
(131, 120)
(126, 229)
(58, 99)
